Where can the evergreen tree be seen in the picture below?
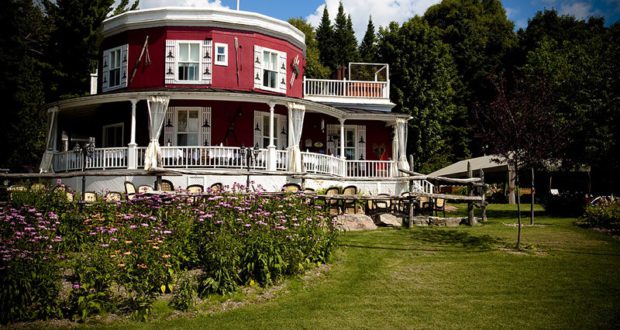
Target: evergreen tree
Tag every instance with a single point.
(122, 7)
(22, 130)
(313, 67)
(423, 84)
(77, 26)
(325, 39)
(345, 39)
(368, 47)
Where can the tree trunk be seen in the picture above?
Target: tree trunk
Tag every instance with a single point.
(518, 209)
(533, 194)
(511, 184)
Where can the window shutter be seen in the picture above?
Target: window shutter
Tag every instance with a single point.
(205, 114)
(124, 65)
(207, 60)
(258, 135)
(360, 151)
(105, 71)
(282, 138)
(282, 65)
(258, 67)
(333, 148)
(170, 71)
(170, 132)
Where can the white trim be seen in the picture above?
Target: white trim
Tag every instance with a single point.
(280, 74)
(104, 135)
(216, 54)
(204, 17)
(123, 51)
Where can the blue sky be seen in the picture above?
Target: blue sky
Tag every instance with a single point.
(384, 11)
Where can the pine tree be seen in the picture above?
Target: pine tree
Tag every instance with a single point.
(313, 67)
(345, 39)
(325, 39)
(368, 47)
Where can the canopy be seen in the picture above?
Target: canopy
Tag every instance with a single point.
(401, 145)
(157, 106)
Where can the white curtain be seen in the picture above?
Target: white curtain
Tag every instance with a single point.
(296, 114)
(401, 131)
(157, 106)
(48, 156)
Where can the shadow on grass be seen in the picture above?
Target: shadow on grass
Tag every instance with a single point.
(457, 238)
(512, 214)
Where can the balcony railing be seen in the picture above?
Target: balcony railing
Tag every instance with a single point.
(346, 89)
(102, 158)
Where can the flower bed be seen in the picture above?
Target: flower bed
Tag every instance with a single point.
(119, 257)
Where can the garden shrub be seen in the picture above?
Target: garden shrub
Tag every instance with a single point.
(123, 255)
(566, 204)
(605, 215)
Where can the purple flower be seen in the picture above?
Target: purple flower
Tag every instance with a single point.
(76, 286)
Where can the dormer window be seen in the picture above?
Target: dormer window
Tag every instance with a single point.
(114, 68)
(221, 54)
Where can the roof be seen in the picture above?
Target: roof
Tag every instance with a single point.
(459, 169)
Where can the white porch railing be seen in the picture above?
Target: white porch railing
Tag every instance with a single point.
(102, 158)
(346, 88)
(370, 168)
(210, 157)
(282, 160)
(66, 161)
(319, 163)
(423, 186)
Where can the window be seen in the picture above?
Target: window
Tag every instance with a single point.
(113, 135)
(261, 130)
(221, 54)
(189, 126)
(114, 68)
(187, 131)
(189, 61)
(270, 67)
(354, 141)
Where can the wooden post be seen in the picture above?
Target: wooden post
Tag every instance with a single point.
(470, 205)
(483, 189)
(411, 213)
(533, 194)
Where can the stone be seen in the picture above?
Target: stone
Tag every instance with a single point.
(388, 220)
(420, 220)
(445, 222)
(353, 222)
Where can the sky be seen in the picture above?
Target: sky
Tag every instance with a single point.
(385, 11)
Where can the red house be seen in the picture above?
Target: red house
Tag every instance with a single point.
(188, 89)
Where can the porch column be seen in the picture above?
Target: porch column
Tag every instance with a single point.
(132, 159)
(395, 145)
(343, 158)
(271, 148)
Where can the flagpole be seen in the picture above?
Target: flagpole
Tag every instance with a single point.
(237, 5)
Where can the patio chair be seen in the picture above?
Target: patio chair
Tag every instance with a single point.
(333, 204)
(348, 204)
(37, 187)
(425, 204)
(90, 197)
(440, 205)
(112, 196)
(166, 185)
(383, 206)
(145, 188)
(216, 188)
(291, 188)
(311, 192)
(195, 189)
(130, 190)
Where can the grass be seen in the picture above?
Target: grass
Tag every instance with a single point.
(445, 278)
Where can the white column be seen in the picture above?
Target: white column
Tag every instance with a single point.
(343, 158)
(54, 129)
(395, 142)
(271, 148)
(132, 155)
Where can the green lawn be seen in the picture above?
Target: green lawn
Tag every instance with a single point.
(466, 277)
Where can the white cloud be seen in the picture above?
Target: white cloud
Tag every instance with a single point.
(383, 12)
(146, 4)
(581, 10)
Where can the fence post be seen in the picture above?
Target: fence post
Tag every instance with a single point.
(483, 190)
(470, 204)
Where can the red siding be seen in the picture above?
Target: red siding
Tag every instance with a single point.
(224, 77)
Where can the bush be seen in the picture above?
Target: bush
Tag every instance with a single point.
(606, 215)
(184, 292)
(569, 204)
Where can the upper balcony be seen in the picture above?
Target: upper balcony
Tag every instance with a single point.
(366, 86)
